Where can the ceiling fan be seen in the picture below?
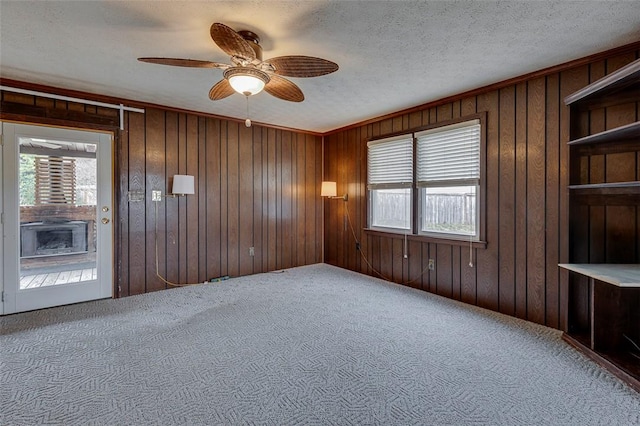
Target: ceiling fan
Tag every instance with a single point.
(249, 74)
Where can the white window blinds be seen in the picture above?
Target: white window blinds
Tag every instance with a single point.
(449, 155)
(390, 163)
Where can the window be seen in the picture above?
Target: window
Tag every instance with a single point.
(390, 182)
(448, 179)
(445, 187)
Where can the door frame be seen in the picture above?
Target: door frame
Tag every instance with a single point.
(105, 175)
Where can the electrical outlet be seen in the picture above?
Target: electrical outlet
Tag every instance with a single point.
(252, 251)
(156, 195)
(135, 196)
(432, 264)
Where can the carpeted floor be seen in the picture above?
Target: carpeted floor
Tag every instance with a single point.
(312, 345)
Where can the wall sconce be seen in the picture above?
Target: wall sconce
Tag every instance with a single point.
(329, 190)
(182, 185)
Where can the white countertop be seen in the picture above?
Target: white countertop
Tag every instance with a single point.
(621, 275)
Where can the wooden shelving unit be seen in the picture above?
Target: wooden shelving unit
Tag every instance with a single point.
(617, 135)
(603, 304)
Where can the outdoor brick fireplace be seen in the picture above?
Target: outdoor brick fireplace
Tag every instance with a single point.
(56, 230)
(53, 238)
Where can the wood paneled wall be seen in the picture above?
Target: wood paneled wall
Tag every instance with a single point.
(526, 210)
(259, 187)
(255, 187)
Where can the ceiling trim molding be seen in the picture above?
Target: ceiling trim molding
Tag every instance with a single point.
(137, 104)
(495, 86)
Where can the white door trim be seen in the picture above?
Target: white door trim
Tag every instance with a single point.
(14, 298)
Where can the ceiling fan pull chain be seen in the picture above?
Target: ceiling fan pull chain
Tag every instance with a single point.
(247, 122)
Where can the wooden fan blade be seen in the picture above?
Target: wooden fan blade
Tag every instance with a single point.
(176, 62)
(284, 89)
(221, 90)
(302, 66)
(231, 42)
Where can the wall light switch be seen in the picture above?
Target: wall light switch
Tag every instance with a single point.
(156, 195)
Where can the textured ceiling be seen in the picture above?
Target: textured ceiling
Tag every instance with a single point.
(392, 54)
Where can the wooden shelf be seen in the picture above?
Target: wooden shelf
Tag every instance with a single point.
(630, 131)
(622, 365)
(620, 275)
(610, 188)
(605, 199)
(603, 300)
(617, 80)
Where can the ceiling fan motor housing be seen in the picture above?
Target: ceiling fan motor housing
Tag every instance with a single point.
(254, 42)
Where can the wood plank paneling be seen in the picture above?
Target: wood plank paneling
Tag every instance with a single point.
(136, 213)
(212, 178)
(169, 206)
(397, 261)
(487, 260)
(552, 201)
(310, 195)
(468, 270)
(201, 190)
(431, 274)
(415, 264)
(300, 201)
(239, 181)
(521, 202)
(258, 201)
(224, 200)
(122, 201)
(273, 211)
(233, 200)
(507, 169)
(182, 203)
(536, 208)
(192, 233)
(259, 187)
(286, 201)
(444, 270)
(526, 213)
(245, 201)
(155, 172)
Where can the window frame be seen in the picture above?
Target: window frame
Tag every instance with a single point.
(443, 238)
(422, 183)
(395, 185)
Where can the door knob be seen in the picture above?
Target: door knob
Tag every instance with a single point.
(105, 209)
(105, 220)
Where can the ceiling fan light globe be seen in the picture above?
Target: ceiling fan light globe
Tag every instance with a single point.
(244, 84)
(246, 81)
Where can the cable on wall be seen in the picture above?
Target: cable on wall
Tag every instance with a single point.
(157, 262)
(366, 261)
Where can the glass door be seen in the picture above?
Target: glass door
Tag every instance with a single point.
(57, 209)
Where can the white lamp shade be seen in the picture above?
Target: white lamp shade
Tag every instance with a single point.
(246, 84)
(183, 184)
(328, 189)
